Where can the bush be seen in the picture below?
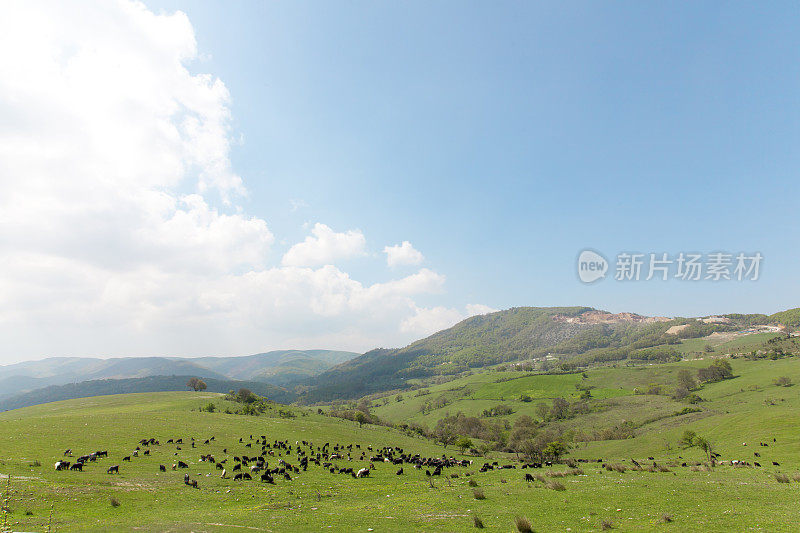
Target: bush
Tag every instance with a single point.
(523, 524)
(478, 494)
(115, 502)
(783, 381)
(606, 524)
(666, 518)
(555, 485)
(477, 522)
(473, 483)
(782, 478)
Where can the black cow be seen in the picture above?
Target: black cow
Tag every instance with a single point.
(162, 468)
(77, 466)
(113, 469)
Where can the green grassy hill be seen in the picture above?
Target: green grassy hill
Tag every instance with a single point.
(576, 335)
(746, 409)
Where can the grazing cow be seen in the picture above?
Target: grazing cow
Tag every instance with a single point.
(77, 466)
(246, 476)
(62, 465)
(364, 472)
(756, 454)
(237, 477)
(528, 477)
(181, 464)
(147, 452)
(162, 468)
(67, 452)
(128, 458)
(224, 474)
(399, 472)
(757, 464)
(102, 454)
(237, 466)
(775, 463)
(113, 469)
(266, 478)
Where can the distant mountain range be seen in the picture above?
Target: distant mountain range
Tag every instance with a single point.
(276, 368)
(556, 335)
(104, 387)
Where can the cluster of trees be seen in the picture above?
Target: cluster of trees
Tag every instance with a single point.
(449, 428)
(437, 403)
(196, 384)
(719, 370)
(357, 413)
(498, 410)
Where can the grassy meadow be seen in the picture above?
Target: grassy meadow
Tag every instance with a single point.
(745, 410)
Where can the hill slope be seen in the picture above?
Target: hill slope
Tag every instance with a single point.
(577, 335)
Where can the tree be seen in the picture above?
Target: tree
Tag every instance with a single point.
(542, 410)
(445, 435)
(560, 409)
(246, 396)
(464, 443)
(686, 380)
(196, 384)
(360, 417)
(555, 450)
(705, 445)
(687, 439)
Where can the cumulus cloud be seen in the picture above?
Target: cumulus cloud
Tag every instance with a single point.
(402, 254)
(426, 321)
(122, 230)
(325, 246)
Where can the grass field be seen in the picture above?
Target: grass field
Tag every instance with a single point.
(746, 409)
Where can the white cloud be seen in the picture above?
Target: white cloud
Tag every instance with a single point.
(479, 309)
(325, 246)
(402, 254)
(121, 229)
(427, 321)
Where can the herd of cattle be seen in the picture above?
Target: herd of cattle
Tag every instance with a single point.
(290, 460)
(276, 459)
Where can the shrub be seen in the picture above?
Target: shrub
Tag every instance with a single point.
(796, 477)
(477, 522)
(523, 524)
(115, 502)
(666, 518)
(36, 464)
(606, 524)
(783, 381)
(478, 494)
(782, 478)
(473, 483)
(555, 485)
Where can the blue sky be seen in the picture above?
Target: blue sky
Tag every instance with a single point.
(502, 139)
(220, 178)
